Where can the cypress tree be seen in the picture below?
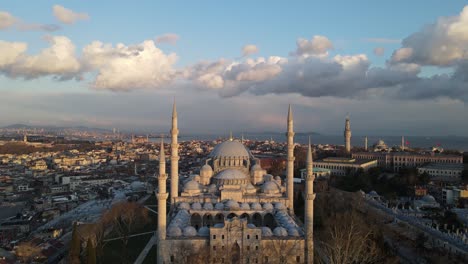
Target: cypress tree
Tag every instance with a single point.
(90, 252)
(75, 246)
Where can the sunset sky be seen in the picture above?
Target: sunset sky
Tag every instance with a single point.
(397, 67)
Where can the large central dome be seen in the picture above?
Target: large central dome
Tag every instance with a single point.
(230, 149)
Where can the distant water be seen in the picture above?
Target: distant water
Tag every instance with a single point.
(446, 142)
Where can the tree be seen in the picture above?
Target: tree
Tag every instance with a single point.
(26, 251)
(90, 252)
(464, 176)
(124, 218)
(277, 167)
(75, 246)
(282, 251)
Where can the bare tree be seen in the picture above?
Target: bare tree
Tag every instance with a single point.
(348, 239)
(283, 250)
(125, 217)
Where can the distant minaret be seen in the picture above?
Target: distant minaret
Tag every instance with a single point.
(365, 143)
(403, 143)
(25, 138)
(133, 138)
(242, 138)
(174, 155)
(347, 135)
(290, 160)
(162, 199)
(230, 136)
(309, 208)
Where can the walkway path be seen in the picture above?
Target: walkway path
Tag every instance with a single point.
(146, 250)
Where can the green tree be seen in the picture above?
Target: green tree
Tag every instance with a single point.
(90, 252)
(75, 246)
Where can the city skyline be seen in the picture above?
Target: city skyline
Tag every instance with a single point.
(63, 65)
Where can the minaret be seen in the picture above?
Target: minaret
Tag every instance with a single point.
(403, 143)
(347, 135)
(309, 208)
(162, 199)
(365, 143)
(174, 156)
(25, 138)
(290, 160)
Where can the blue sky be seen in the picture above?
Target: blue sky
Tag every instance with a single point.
(211, 30)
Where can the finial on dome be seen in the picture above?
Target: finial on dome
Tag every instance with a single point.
(230, 136)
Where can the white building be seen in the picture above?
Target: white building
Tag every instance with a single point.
(446, 172)
(340, 166)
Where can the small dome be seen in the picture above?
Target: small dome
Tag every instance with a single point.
(245, 206)
(429, 199)
(230, 149)
(256, 167)
(373, 193)
(174, 231)
(231, 174)
(280, 206)
(204, 231)
(219, 206)
(206, 167)
(266, 231)
(280, 231)
(251, 225)
(208, 206)
(270, 187)
(268, 206)
(232, 205)
(293, 231)
(196, 206)
(219, 225)
(190, 231)
(184, 206)
(277, 178)
(256, 206)
(191, 185)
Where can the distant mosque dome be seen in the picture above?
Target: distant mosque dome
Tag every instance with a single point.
(232, 149)
(428, 199)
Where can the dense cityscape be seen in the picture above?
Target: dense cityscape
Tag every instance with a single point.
(240, 132)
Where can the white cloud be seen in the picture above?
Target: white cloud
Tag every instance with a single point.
(9, 21)
(10, 52)
(68, 16)
(379, 51)
(58, 60)
(443, 43)
(6, 20)
(402, 54)
(317, 46)
(249, 50)
(124, 68)
(169, 38)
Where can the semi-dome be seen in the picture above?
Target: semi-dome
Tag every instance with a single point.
(191, 185)
(206, 167)
(231, 174)
(256, 206)
(230, 149)
(190, 231)
(208, 206)
(271, 187)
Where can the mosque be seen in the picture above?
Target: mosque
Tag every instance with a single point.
(233, 211)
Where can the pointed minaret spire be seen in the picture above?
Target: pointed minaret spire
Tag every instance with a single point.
(309, 208)
(174, 155)
(162, 199)
(403, 143)
(365, 143)
(290, 161)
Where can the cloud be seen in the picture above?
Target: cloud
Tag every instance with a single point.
(58, 60)
(317, 46)
(169, 38)
(9, 21)
(6, 20)
(68, 16)
(382, 40)
(123, 68)
(379, 51)
(443, 43)
(249, 49)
